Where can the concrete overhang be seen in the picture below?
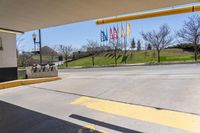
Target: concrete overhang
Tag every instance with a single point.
(26, 15)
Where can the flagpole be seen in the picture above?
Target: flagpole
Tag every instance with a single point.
(103, 37)
(107, 35)
(100, 37)
(125, 44)
(115, 45)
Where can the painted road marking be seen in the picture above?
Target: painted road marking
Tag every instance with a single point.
(168, 118)
(91, 129)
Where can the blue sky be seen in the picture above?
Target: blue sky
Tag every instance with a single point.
(77, 34)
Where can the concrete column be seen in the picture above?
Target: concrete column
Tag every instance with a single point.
(8, 57)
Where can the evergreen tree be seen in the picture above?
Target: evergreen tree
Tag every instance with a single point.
(133, 44)
(138, 45)
(149, 47)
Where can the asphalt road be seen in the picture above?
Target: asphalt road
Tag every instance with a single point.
(48, 107)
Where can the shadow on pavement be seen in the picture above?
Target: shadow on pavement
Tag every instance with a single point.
(15, 119)
(103, 124)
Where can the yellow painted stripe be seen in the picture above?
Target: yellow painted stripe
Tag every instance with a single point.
(168, 118)
(16, 83)
(39, 80)
(92, 129)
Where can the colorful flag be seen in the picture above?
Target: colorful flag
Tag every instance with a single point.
(101, 36)
(128, 29)
(123, 34)
(104, 36)
(115, 33)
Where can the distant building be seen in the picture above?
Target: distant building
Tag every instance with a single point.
(79, 54)
(48, 51)
(99, 49)
(26, 53)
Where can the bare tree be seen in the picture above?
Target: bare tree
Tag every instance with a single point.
(53, 54)
(122, 45)
(91, 47)
(114, 45)
(145, 49)
(19, 40)
(24, 59)
(190, 33)
(65, 50)
(158, 39)
(83, 48)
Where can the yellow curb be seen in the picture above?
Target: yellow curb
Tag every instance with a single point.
(16, 83)
(173, 119)
(10, 84)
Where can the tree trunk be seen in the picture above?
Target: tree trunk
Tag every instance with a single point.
(195, 53)
(132, 53)
(66, 63)
(125, 56)
(93, 60)
(158, 56)
(115, 56)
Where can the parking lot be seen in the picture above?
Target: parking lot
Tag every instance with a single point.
(107, 100)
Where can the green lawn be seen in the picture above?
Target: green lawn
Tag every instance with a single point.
(106, 59)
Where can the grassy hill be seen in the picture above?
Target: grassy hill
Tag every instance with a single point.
(46, 58)
(106, 59)
(46, 55)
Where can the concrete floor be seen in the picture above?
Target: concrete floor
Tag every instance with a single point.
(46, 107)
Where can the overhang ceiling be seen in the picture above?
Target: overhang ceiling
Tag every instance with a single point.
(26, 15)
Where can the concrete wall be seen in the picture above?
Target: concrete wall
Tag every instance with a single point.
(8, 57)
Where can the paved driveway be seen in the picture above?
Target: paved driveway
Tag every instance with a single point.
(174, 87)
(87, 98)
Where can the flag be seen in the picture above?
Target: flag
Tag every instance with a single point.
(115, 33)
(118, 32)
(128, 29)
(111, 34)
(123, 34)
(101, 36)
(104, 36)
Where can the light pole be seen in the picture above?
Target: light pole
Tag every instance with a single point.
(40, 44)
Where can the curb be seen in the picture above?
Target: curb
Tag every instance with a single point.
(16, 83)
(128, 65)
